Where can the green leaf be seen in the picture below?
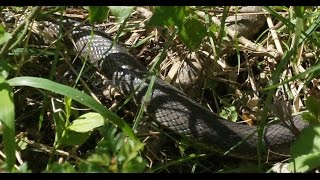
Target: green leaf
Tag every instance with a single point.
(22, 143)
(97, 13)
(312, 104)
(229, 113)
(214, 28)
(298, 31)
(76, 95)
(168, 16)
(142, 41)
(306, 150)
(59, 122)
(119, 142)
(95, 163)
(7, 117)
(4, 68)
(311, 118)
(101, 159)
(73, 138)
(65, 167)
(87, 122)
(305, 163)
(121, 12)
(192, 33)
(299, 11)
(67, 106)
(4, 36)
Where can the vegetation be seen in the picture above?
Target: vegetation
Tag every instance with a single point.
(56, 117)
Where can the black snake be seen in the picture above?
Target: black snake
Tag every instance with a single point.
(171, 108)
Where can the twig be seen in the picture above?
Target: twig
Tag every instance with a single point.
(310, 55)
(48, 149)
(274, 35)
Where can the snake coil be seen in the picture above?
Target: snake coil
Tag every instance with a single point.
(171, 108)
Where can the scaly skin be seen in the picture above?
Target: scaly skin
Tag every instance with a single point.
(172, 109)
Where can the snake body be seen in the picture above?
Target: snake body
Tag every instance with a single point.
(171, 108)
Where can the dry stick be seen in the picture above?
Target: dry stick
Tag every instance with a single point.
(310, 54)
(49, 149)
(7, 45)
(251, 78)
(276, 41)
(274, 35)
(225, 81)
(279, 48)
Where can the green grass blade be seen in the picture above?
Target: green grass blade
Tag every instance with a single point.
(7, 117)
(75, 94)
(145, 101)
(312, 28)
(289, 24)
(298, 29)
(298, 76)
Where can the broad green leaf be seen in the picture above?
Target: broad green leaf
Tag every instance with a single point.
(65, 167)
(168, 16)
(229, 113)
(121, 12)
(192, 33)
(95, 163)
(311, 118)
(102, 159)
(76, 95)
(87, 122)
(7, 117)
(4, 36)
(305, 163)
(97, 13)
(73, 138)
(306, 150)
(312, 104)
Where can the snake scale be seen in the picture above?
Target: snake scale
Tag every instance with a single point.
(171, 108)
